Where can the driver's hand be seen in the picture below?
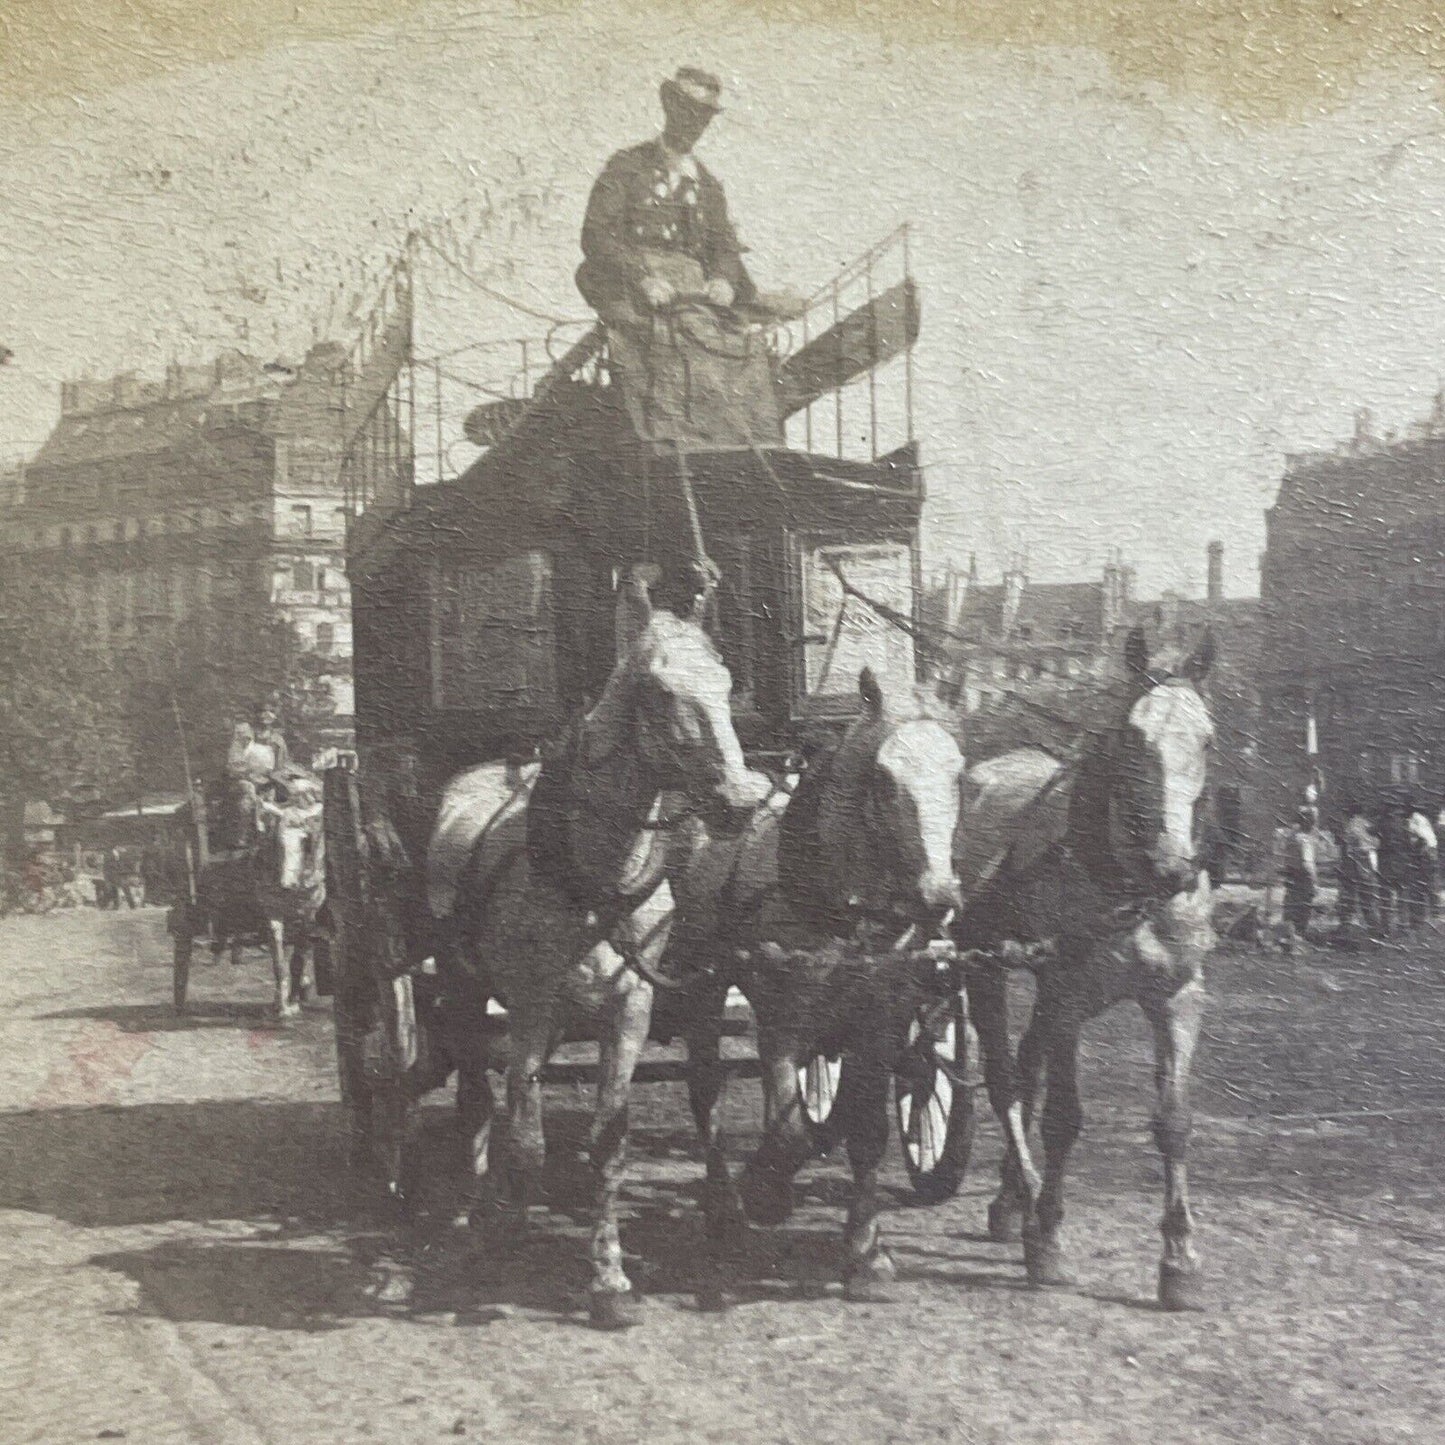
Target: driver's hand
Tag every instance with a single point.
(657, 292)
(719, 291)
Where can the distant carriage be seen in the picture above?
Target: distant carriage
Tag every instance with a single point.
(264, 889)
(483, 621)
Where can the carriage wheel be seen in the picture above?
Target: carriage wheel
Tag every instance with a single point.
(818, 1083)
(322, 967)
(181, 970)
(935, 1115)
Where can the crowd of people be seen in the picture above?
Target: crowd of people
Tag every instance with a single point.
(1387, 870)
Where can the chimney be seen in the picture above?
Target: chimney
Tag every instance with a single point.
(1214, 588)
(1112, 598)
(953, 595)
(125, 389)
(1167, 615)
(1014, 582)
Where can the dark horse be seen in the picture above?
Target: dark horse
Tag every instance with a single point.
(1092, 861)
(814, 910)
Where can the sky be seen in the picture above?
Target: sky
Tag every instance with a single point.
(1142, 286)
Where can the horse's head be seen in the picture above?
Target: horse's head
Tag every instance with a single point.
(907, 770)
(677, 694)
(297, 843)
(1161, 754)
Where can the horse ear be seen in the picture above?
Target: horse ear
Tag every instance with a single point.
(869, 690)
(634, 609)
(1136, 654)
(1197, 666)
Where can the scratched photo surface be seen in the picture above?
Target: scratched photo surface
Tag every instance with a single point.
(722, 720)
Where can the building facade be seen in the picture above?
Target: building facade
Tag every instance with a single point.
(155, 502)
(1353, 592)
(1044, 641)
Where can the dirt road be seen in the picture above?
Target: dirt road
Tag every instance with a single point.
(184, 1258)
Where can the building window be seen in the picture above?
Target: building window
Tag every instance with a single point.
(303, 577)
(1404, 768)
(301, 520)
(325, 636)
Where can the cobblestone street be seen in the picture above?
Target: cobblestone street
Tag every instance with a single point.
(186, 1259)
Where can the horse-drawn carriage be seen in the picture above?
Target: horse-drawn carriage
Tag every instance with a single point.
(766, 729)
(254, 878)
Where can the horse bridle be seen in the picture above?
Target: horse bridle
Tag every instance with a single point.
(1120, 876)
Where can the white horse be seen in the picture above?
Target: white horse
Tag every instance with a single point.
(566, 907)
(276, 888)
(1095, 861)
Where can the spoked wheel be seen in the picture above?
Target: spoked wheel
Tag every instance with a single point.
(818, 1082)
(935, 1114)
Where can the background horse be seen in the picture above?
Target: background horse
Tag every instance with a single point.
(574, 922)
(824, 898)
(1095, 859)
(274, 888)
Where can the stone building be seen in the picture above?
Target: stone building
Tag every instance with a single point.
(1042, 641)
(177, 498)
(1353, 595)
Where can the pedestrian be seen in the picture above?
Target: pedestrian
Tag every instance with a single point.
(1394, 871)
(1301, 876)
(1359, 872)
(1423, 855)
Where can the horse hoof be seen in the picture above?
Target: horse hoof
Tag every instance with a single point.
(713, 1299)
(726, 1225)
(871, 1282)
(285, 1009)
(1181, 1291)
(614, 1309)
(1045, 1266)
(1005, 1221)
(767, 1197)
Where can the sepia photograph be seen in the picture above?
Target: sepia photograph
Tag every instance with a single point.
(722, 720)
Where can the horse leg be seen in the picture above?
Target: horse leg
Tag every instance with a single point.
(1011, 1088)
(303, 979)
(767, 1182)
(476, 1106)
(286, 1007)
(1176, 1021)
(524, 1148)
(868, 1268)
(613, 1303)
(707, 1077)
(1062, 1120)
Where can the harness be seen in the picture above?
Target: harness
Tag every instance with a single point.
(552, 815)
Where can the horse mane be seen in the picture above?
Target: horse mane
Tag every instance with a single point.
(1056, 720)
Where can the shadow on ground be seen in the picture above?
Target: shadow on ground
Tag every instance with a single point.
(320, 1249)
(158, 1018)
